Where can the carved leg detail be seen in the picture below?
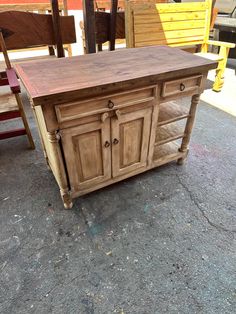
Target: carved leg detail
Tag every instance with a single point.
(66, 198)
(59, 170)
(188, 129)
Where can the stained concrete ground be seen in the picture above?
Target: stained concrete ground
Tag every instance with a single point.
(160, 242)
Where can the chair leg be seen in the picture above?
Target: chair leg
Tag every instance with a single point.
(219, 79)
(25, 122)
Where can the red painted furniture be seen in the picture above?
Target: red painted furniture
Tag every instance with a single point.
(11, 106)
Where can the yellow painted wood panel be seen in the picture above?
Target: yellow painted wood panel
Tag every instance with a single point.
(169, 26)
(169, 35)
(172, 7)
(147, 17)
(176, 42)
(175, 7)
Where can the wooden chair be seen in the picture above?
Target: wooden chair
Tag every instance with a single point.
(30, 30)
(40, 8)
(176, 25)
(26, 30)
(11, 106)
(105, 27)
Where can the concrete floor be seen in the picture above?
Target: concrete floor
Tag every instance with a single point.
(161, 242)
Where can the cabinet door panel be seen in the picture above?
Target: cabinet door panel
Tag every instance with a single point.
(130, 139)
(87, 153)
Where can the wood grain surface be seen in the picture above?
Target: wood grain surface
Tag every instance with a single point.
(25, 29)
(83, 73)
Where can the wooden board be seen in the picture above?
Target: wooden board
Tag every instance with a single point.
(175, 24)
(102, 25)
(92, 73)
(32, 29)
(168, 133)
(165, 151)
(28, 7)
(170, 112)
(7, 102)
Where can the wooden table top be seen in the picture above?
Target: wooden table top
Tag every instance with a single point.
(45, 79)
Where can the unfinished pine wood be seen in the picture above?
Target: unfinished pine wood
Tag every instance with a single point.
(184, 85)
(100, 129)
(68, 112)
(189, 126)
(130, 137)
(171, 112)
(87, 151)
(133, 67)
(7, 102)
(168, 133)
(168, 150)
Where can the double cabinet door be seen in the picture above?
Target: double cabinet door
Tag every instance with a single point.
(109, 147)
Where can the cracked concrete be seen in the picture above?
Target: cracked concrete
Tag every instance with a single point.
(161, 242)
(195, 201)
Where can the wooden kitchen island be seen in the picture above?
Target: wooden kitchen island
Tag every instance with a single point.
(108, 116)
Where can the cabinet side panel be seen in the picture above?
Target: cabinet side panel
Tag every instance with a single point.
(52, 150)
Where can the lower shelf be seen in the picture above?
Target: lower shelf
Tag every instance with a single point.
(169, 133)
(166, 151)
(171, 112)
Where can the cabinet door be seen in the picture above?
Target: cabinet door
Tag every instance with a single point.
(87, 153)
(130, 140)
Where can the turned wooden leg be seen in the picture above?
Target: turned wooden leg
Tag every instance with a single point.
(188, 129)
(66, 198)
(59, 168)
(219, 79)
(181, 160)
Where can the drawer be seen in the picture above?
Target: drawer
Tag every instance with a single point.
(181, 86)
(81, 109)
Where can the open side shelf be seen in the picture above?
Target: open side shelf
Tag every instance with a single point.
(171, 112)
(168, 150)
(168, 133)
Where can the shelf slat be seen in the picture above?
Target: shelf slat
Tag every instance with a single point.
(171, 112)
(166, 151)
(168, 133)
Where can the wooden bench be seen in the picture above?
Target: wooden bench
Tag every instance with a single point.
(176, 25)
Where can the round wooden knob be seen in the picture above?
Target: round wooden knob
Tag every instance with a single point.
(110, 104)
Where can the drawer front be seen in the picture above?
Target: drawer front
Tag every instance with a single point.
(81, 109)
(181, 86)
